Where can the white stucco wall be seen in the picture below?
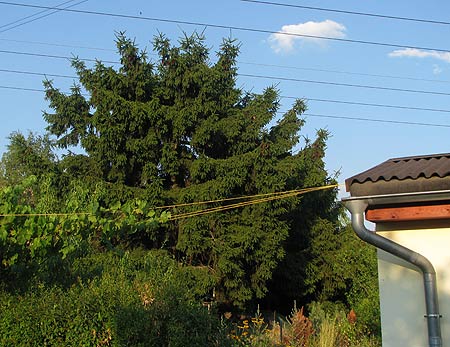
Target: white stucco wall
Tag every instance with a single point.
(402, 302)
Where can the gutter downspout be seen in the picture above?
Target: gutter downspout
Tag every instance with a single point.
(357, 209)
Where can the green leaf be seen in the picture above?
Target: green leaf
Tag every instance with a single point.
(115, 206)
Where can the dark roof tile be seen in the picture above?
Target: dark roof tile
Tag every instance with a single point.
(411, 168)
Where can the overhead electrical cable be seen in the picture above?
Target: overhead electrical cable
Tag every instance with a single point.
(257, 76)
(377, 120)
(305, 114)
(23, 88)
(221, 26)
(402, 107)
(43, 16)
(58, 45)
(35, 90)
(368, 14)
(56, 56)
(347, 102)
(306, 68)
(37, 73)
(346, 84)
(32, 15)
(303, 68)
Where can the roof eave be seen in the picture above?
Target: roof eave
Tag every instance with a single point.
(402, 198)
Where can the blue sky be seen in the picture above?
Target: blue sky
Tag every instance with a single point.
(354, 145)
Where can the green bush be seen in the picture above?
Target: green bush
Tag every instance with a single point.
(134, 299)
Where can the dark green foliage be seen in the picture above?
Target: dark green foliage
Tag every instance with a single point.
(343, 270)
(38, 244)
(177, 131)
(136, 299)
(173, 131)
(26, 156)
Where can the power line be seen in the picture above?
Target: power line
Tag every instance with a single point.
(377, 120)
(220, 26)
(54, 56)
(34, 90)
(306, 68)
(258, 76)
(36, 73)
(303, 68)
(32, 15)
(59, 45)
(35, 19)
(304, 114)
(402, 107)
(347, 84)
(347, 102)
(23, 89)
(420, 20)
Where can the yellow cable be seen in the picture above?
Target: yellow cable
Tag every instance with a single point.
(222, 200)
(228, 207)
(251, 202)
(267, 197)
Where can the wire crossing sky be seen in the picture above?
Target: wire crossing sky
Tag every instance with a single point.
(375, 75)
(41, 14)
(334, 10)
(231, 27)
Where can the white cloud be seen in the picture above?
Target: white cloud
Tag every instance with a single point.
(418, 53)
(285, 43)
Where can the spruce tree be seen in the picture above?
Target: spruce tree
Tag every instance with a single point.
(179, 129)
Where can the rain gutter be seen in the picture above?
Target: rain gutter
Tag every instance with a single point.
(358, 206)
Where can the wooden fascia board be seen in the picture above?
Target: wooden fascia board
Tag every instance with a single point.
(408, 213)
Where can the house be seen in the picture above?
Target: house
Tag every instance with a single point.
(408, 200)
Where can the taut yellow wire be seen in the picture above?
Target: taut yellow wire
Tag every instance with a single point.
(275, 196)
(264, 198)
(228, 199)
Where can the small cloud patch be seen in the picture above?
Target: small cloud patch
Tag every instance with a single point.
(419, 53)
(284, 41)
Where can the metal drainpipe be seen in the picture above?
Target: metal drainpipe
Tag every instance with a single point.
(357, 209)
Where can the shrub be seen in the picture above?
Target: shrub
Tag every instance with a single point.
(137, 298)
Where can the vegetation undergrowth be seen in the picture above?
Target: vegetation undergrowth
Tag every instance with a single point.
(323, 328)
(138, 298)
